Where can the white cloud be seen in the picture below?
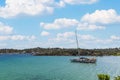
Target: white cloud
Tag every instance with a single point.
(102, 16)
(67, 23)
(5, 29)
(86, 26)
(113, 37)
(80, 1)
(60, 23)
(103, 41)
(111, 40)
(69, 37)
(95, 42)
(35, 7)
(30, 7)
(31, 37)
(17, 37)
(60, 4)
(64, 37)
(86, 37)
(45, 33)
(93, 21)
(4, 38)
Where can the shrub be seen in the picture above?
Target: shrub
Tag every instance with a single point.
(103, 77)
(117, 78)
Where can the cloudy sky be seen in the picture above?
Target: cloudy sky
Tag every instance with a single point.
(52, 23)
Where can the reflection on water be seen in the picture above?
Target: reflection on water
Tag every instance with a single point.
(26, 67)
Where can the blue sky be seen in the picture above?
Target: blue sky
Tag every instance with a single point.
(52, 23)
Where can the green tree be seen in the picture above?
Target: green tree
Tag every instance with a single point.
(103, 77)
(117, 78)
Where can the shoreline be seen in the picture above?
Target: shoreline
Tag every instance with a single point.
(54, 55)
(63, 52)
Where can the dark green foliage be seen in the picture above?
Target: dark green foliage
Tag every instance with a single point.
(65, 51)
(103, 77)
(117, 78)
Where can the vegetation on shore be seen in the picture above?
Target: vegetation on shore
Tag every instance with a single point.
(106, 77)
(103, 77)
(63, 51)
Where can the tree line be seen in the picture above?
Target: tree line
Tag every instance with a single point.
(63, 51)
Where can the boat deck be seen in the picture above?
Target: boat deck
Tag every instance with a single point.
(84, 60)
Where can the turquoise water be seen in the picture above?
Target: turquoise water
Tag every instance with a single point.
(26, 67)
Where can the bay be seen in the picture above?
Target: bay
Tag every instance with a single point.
(27, 67)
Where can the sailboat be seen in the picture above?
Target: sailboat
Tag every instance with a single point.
(82, 59)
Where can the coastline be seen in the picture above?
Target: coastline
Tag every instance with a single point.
(63, 52)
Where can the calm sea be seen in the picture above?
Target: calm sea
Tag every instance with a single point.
(27, 67)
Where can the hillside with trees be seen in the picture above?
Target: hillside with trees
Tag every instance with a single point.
(63, 51)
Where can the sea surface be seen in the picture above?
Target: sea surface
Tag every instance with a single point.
(27, 67)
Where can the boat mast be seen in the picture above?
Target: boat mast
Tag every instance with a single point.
(77, 42)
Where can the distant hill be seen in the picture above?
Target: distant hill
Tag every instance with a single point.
(63, 51)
